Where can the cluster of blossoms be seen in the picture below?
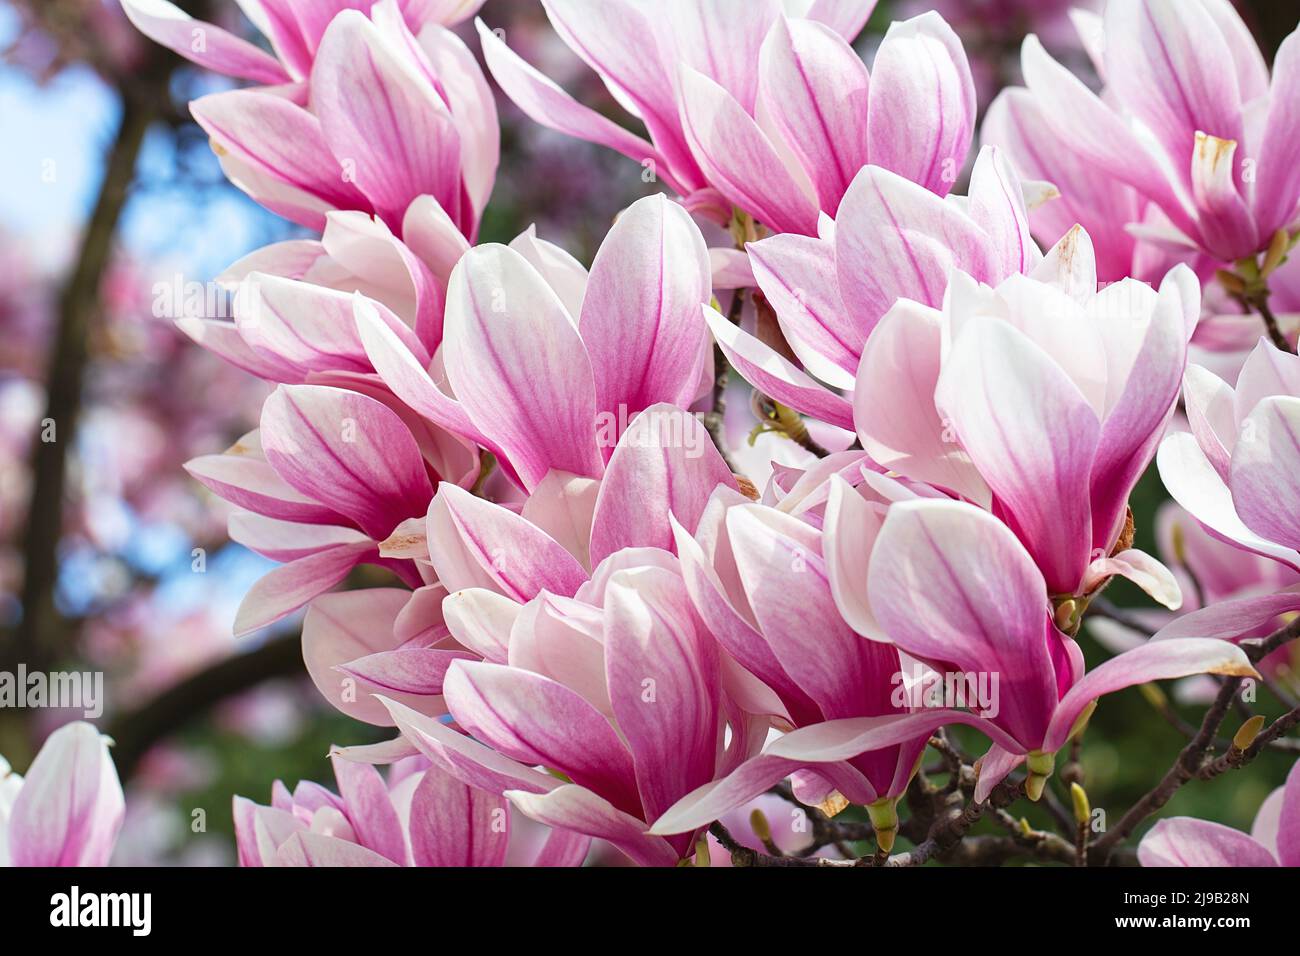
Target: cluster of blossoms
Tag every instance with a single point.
(595, 624)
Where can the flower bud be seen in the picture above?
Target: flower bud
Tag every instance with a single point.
(1039, 766)
(884, 820)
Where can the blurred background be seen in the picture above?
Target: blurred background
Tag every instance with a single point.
(113, 560)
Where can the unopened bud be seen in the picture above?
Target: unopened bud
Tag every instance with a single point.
(1039, 766)
(758, 823)
(1025, 828)
(1081, 722)
(1246, 734)
(1079, 797)
(884, 820)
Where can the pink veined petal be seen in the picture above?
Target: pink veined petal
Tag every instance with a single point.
(407, 148)
(1187, 841)
(1192, 481)
(1268, 371)
(463, 757)
(1277, 186)
(309, 326)
(518, 366)
(283, 590)
(312, 849)
(369, 809)
(221, 338)
(343, 627)
(737, 634)
(406, 670)
(1208, 401)
(539, 721)
(566, 276)
(428, 232)
(798, 277)
(563, 848)
(665, 464)
(1226, 224)
(572, 807)
(277, 139)
(453, 824)
(895, 239)
(1151, 374)
(474, 541)
(473, 110)
(721, 40)
(661, 668)
(1155, 660)
(922, 103)
(740, 160)
(893, 404)
(1140, 568)
(845, 17)
(1106, 141)
(618, 40)
(1265, 463)
(848, 537)
(812, 90)
(252, 483)
(347, 451)
(1229, 620)
(640, 317)
(997, 204)
(544, 102)
(784, 576)
(1166, 62)
(70, 807)
(775, 376)
(993, 769)
(984, 616)
(481, 620)
(1032, 435)
(290, 540)
(563, 506)
(207, 45)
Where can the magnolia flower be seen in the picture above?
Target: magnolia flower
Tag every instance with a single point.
(1274, 840)
(484, 561)
(1236, 469)
(68, 809)
(330, 474)
(320, 144)
(544, 365)
(1188, 119)
(758, 576)
(891, 239)
(747, 106)
(420, 816)
(295, 31)
(1041, 399)
(616, 691)
(292, 306)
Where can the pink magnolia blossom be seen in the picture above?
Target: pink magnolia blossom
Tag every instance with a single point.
(419, 816)
(749, 107)
(1183, 80)
(949, 585)
(891, 239)
(1235, 470)
(485, 560)
(317, 143)
(295, 31)
(543, 364)
(1274, 840)
(1041, 399)
(68, 809)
